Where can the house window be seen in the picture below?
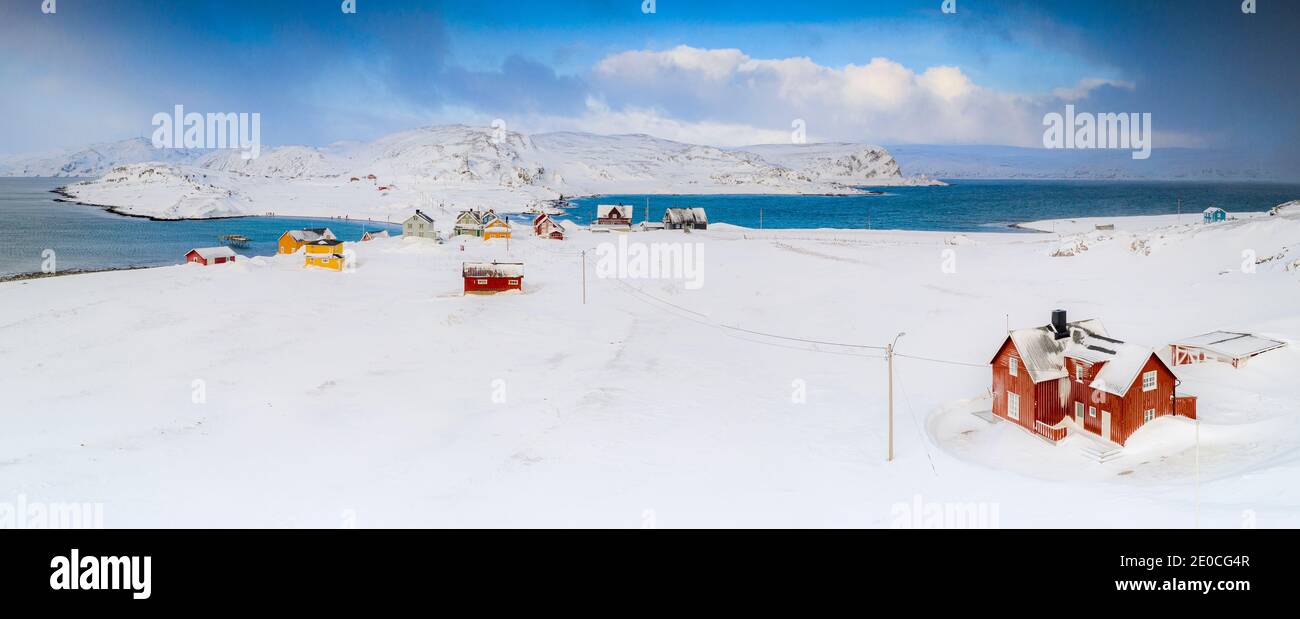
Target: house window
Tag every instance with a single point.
(1013, 364)
(1013, 406)
(1149, 381)
(514, 282)
(1148, 415)
(1078, 371)
(1092, 411)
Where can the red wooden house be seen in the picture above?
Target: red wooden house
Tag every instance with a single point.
(1072, 376)
(488, 278)
(547, 228)
(210, 255)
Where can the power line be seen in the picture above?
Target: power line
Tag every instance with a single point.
(933, 360)
(916, 424)
(799, 339)
(633, 291)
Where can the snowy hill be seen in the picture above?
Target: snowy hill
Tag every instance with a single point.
(449, 167)
(853, 164)
(94, 160)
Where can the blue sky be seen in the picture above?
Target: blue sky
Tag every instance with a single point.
(710, 72)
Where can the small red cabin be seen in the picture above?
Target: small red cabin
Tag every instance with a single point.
(488, 278)
(548, 228)
(210, 255)
(1047, 377)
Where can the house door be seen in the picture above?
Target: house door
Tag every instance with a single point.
(1078, 413)
(1105, 425)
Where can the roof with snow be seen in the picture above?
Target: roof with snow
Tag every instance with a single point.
(613, 211)
(1213, 209)
(1231, 344)
(420, 215)
(208, 253)
(309, 235)
(684, 216)
(471, 217)
(493, 269)
(1122, 361)
(1043, 356)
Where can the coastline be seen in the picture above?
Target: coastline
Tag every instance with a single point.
(67, 198)
(22, 277)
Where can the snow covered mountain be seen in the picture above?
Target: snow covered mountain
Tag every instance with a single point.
(94, 160)
(451, 167)
(854, 164)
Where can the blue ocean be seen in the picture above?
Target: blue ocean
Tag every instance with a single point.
(89, 238)
(966, 206)
(85, 237)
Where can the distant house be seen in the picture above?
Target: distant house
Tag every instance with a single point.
(371, 177)
(488, 278)
(353, 179)
(1214, 214)
(496, 228)
(210, 255)
(546, 227)
(679, 218)
(613, 217)
(1108, 388)
(324, 254)
(370, 235)
(293, 240)
(469, 223)
(1229, 347)
(419, 225)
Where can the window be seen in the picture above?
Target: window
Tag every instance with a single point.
(1149, 381)
(482, 282)
(1078, 371)
(514, 282)
(1013, 406)
(1092, 411)
(1013, 365)
(1148, 415)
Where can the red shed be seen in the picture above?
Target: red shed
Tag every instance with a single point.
(1074, 370)
(210, 255)
(488, 278)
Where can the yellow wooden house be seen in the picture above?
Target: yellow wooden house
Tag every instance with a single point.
(293, 240)
(324, 254)
(497, 228)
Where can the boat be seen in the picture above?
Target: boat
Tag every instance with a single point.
(235, 240)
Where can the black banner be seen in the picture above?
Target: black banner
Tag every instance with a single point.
(139, 569)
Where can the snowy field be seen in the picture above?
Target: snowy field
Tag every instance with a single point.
(382, 397)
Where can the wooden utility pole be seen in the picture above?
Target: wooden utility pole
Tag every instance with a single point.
(584, 277)
(760, 218)
(889, 357)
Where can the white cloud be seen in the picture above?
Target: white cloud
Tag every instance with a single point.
(728, 94)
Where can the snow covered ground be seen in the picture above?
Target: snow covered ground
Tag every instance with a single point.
(383, 397)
